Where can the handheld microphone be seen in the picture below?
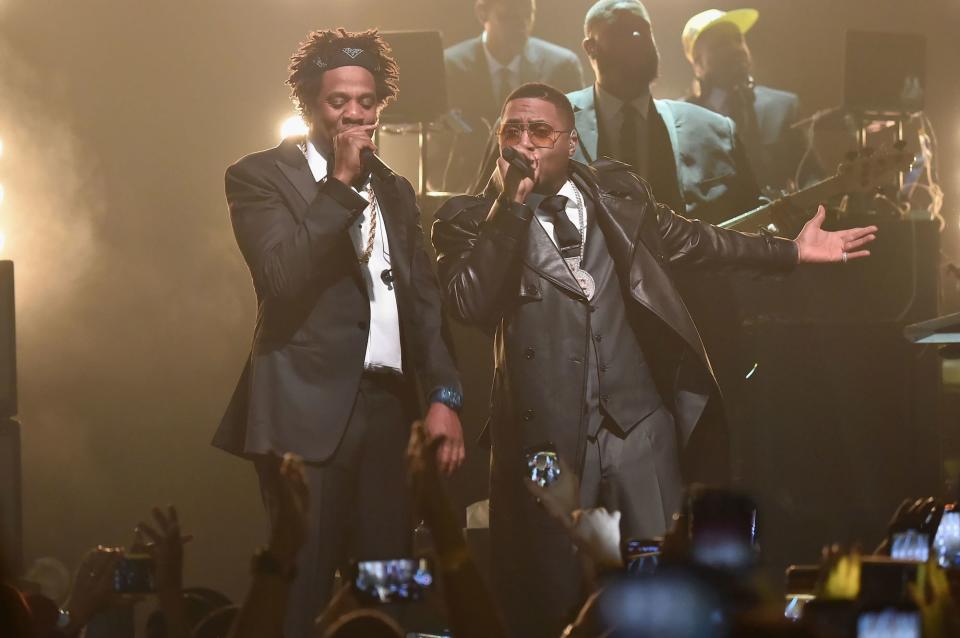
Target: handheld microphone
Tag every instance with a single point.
(518, 161)
(374, 164)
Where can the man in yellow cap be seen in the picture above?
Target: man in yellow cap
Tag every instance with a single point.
(714, 43)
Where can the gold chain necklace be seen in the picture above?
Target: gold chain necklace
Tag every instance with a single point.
(372, 234)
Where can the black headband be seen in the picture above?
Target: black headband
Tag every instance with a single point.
(348, 56)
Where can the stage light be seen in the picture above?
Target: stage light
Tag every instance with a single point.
(1, 148)
(1, 193)
(293, 126)
(3, 240)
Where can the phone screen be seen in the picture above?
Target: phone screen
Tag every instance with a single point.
(910, 545)
(391, 581)
(641, 555)
(889, 623)
(135, 574)
(723, 529)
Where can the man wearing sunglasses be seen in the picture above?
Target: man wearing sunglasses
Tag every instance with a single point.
(596, 356)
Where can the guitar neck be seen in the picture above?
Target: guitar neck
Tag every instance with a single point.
(761, 217)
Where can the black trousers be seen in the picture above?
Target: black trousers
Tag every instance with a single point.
(359, 503)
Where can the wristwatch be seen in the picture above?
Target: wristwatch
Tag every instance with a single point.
(265, 563)
(450, 397)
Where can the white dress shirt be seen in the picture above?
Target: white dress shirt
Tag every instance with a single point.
(610, 118)
(502, 83)
(572, 210)
(383, 340)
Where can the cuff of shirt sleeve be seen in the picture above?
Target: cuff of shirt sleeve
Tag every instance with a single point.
(343, 194)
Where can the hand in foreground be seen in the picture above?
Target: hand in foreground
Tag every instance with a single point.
(561, 497)
(289, 529)
(932, 594)
(818, 246)
(165, 546)
(92, 589)
(596, 532)
(443, 424)
(839, 574)
(422, 457)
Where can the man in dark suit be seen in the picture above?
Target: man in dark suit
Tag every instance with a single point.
(483, 70)
(690, 156)
(349, 342)
(714, 43)
(595, 351)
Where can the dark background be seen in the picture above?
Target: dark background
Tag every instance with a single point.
(134, 306)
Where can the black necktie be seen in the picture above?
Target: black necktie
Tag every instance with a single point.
(628, 136)
(568, 235)
(504, 82)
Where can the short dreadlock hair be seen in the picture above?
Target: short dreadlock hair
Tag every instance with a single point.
(304, 80)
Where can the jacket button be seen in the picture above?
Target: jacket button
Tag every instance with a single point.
(362, 325)
(529, 353)
(528, 415)
(598, 337)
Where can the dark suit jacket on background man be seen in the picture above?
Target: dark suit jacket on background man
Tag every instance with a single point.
(775, 149)
(696, 165)
(472, 91)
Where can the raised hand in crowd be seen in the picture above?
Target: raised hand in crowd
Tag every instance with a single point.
(289, 530)
(92, 589)
(839, 573)
(470, 608)
(595, 532)
(562, 497)
(932, 594)
(274, 567)
(164, 544)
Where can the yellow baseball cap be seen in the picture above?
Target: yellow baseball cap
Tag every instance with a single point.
(743, 19)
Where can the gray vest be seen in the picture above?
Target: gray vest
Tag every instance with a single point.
(619, 380)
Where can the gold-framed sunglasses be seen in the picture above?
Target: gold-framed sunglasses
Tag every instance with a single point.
(542, 135)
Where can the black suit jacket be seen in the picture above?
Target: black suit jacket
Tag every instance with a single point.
(470, 90)
(499, 268)
(300, 380)
(775, 150)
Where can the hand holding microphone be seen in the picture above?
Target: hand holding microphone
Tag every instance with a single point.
(348, 144)
(519, 170)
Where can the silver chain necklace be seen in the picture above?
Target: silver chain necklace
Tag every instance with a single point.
(585, 279)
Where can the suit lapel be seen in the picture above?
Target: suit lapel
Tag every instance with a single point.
(618, 219)
(541, 255)
(672, 125)
(531, 65)
(393, 212)
(585, 119)
(485, 89)
(294, 167)
(621, 220)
